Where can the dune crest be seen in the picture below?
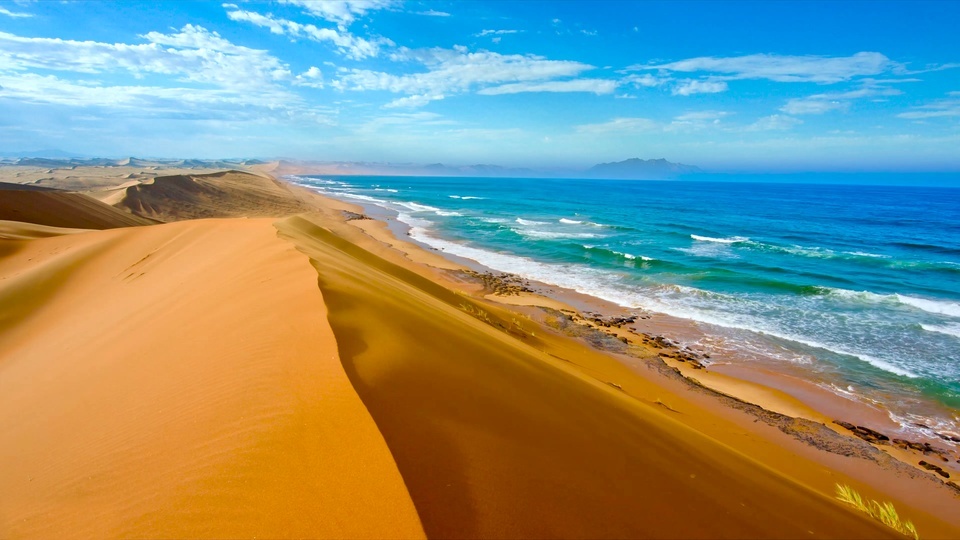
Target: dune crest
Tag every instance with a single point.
(181, 380)
(499, 431)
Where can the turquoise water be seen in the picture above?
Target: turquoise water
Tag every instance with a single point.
(857, 285)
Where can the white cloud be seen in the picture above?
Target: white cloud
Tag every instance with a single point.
(34, 88)
(433, 13)
(495, 32)
(646, 80)
(15, 15)
(345, 42)
(596, 86)
(690, 87)
(696, 121)
(817, 69)
(418, 100)
(774, 122)
(941, 108)
(312, 78)
(203, 76)
(834, 101)
(700, 116)
(452, 71)
(620, 125)
(194, 54)
(813, 106)
(341, 12)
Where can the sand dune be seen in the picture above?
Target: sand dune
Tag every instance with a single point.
(309, 377)
(496, 438)
(225, 194)
(61, 209)
(181, 381)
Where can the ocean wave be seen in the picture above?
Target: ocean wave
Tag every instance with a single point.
(938, 307)
(465, 197)
(386, 189)
(534, 233)
(362, 198)
(931, 306)
(591, 281)
(932, 248)
(628, 256)
(529, 222)
(732, 240)
(497, 221)
(948, 329)
(570, 221)
(417, 207)
(447, 214)
(867, 255)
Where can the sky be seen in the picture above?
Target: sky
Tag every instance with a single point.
(726, 86)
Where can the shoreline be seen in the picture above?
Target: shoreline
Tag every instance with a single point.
(778, 392)
(485, 419)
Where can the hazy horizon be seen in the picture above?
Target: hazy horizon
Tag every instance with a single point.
(728, 87)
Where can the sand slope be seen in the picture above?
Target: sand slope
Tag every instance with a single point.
(496, 438)
(61, 209)
(224, 194)
(181, 380)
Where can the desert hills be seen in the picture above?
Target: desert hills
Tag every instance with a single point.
(222, 354)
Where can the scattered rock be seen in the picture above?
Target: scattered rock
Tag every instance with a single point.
(501, 284)
(351, 216)
(954, 485)
(934, 468)
(864, 433)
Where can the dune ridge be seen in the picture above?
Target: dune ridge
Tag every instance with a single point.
(223, 194)
(56, 208)
(181, 381)
(496, 437)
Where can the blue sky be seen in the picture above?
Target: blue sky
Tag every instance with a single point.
(749, 86)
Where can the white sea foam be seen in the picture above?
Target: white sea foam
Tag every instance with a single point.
(596, 283)
(465, 197)
(417, 207)
(386, 189)
(870, 255)
(948, 329)
(495, 220)
(534, 233)
(447, 214)
(858, 296)
(363, 198)
(570, 221)
(529, 222)
(931, 306)
(733, 240)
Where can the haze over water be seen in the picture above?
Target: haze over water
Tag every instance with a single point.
(858, 287)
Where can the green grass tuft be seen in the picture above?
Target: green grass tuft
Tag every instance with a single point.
(883, 512)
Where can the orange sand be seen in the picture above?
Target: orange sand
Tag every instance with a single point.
(182, 380)
(201, 379)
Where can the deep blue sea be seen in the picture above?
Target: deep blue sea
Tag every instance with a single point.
(858, 285)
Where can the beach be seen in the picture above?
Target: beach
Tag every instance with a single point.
(226, 354)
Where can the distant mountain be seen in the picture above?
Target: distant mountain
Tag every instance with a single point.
(641, 169)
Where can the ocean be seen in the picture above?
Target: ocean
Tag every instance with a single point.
(855, 286)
